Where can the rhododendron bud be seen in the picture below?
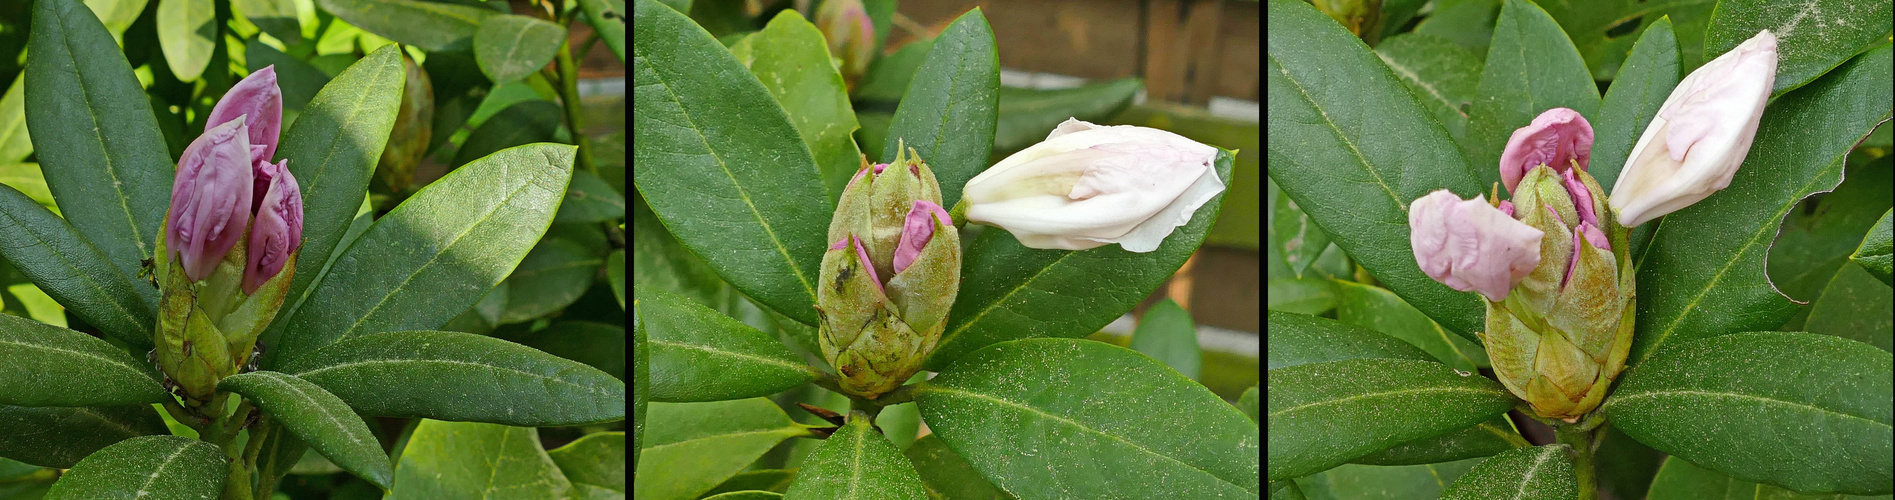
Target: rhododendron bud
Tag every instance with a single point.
(1558, 138)
(889, 277)
(1700, 135)
(210, 198)
(850, 33)
(278, 227)
(258, 98)
(1470, 245)
(1088, 185)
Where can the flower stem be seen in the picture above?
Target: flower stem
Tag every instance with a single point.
(1581, 442)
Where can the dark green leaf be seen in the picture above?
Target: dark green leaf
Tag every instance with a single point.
(598, 345)
(47, 365)
(595, 464)
(62, 263)
(791, 59)
(947, 475)
(1818, 235)
(117, 15)
(1298, 238)
(98, 141)
(1353, 149)
(696, 446)
(1481, 440)
(887, 78)
(607, 18)
(428, 25)
(641, 382)
(1167, 334)
(1372, 482)
(1702, 274)
(1469, 23)
(476, 460)
(58, 436)
(1324, 414)
(276, 17)
(1855, 306)
(461, 377)
(1874, 253)
(187, 31)
(439, 251)
(721, 165)
(1680, 480)
(1302, 295)
(615, 273)
(1005, 285)
(510, 47)
(948, 113)
(1048, 418)
(590, 199)
(700, 355)
(1378, 309)
(318, 418)
(1604, 31)
(1643, 84)
(1537, 473)
(1442, 76)
(1531, 68)
(550, 278)
(1813, 37)
(298, 80)
(659, 261)
(1027, 115)
(525, 122)
(279, 452)
(1759, 383)
(149, 466)
(777, 480)
(857, 463)
(1249, 404)
(459, 90)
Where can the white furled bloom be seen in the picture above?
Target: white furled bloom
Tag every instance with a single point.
(1700, 136)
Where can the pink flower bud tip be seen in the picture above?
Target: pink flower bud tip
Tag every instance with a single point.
(1556, 138)
(210, 197)
(278, 229)
(917, 230)
(258, 98)
(1470, 245)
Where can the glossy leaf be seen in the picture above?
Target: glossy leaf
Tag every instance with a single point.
(276, 17)
(334, 146)
(187, 32)
(641, 382)
(888, 77)
(15, 143)
(1481, 440)
(1353, 149)
(319, 419)
(550, 278)
(59, 260)
(428, 25)
(439, 251)
(1005, 286)
(1167, 334)
(1812, 37)
(510, 47)
(1817, 236)
(615, 274)
(1759, 383)
(59, 436)
(1026, 116)
(1874, 253)
(476, 460)
(1248, 402)
(1046, 418)
(1642, 86)
(98, 141)
(947, 475)
(1537, 473)
(696, 446)
(1531, 67)
(598, 345)
(856, 463)
(595, 464)
(1703, 274)
(1371, 482)
(791, 59)
(1309, 296)
(590, 199)
(1854, 306)
(148, 466)
(1324, 414)
(1441, 74)
(47, 365)
(1296, 236)
(461, 377)
(698, 354)
(949, 112)
(721, 165)
(607, 18)
(1680, 480)
(1380, 310)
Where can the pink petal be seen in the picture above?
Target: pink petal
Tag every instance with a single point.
(1555, 138)
(917, 230)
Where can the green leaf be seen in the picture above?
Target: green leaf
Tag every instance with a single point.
(949, 111)
(1531, 67)
(47, 365)
(550, 278)
(857, 463)
(15, 143)
(63, 264)
(1855, 306)
(1442, 76)
(1292, 232)
(746, 495)
(1702, 274)
(59, 436)
(1310, 295)
(947, 475)
(1378, 309)
(1167, 334)
(595, 464)
(615, 274)
(1812, 38)
(276, 17)
(1481, 440)
(1353, 149)
(1469, 23)
(187, 32)
(641, 382)
(888, 77)
(722, 167)
(98, 141)
(299, 81)
(1537, 473)
(1045, 418)
(1834, 389)
(1604, 32)
(1026, 116)
(459, 90)
(318, 418)
(525, 122)
(1680, 480)
(1324, 414)
(117, 15)
(598, 345)
(607, 18)
(1817, 236)
(335, 145)
(696, 446)
(427, 25)
(461, 377)
(510, 47)
(791, 59)
(1248, 403)
(1370, 482)
(1874, 254)
(590, 199)
(1642, 86)
(700, 355)
(775, 480)
(279, 452)
(476, 460)
(1005, 285)
(439, 251)
(148, 466)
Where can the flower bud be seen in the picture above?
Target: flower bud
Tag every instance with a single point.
(1088, 185)
(1558, 138)
(889, 278)
(258, 98)
(1700, 135)
(1470, 245)
(851, 35)
(211, 197)
(278, 227)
